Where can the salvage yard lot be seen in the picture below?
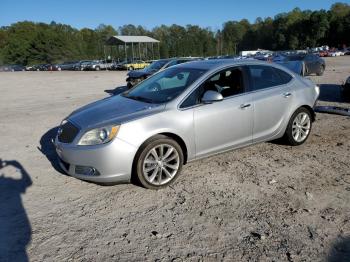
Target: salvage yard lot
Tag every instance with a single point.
(262, 203)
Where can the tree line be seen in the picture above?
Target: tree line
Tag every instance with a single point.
(31, 43)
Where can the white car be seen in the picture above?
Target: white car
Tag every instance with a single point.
(335, 53)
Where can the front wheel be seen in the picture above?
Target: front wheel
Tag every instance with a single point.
(320, 70)
(303, 70)
(299, 127)
(158, 162)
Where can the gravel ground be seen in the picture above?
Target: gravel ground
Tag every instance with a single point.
(269, 202)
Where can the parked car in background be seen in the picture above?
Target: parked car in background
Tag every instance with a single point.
(136, 76)
(136, 64)
(43, 67)
(323, 53)
(81, 65)
(303, 64)
(98, 65)
(335, 52)
(181, 114)
(70, 65)
(12, 68)
(263, 56)
(119, 65)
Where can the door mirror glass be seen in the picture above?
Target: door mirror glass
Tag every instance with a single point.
(211, 96)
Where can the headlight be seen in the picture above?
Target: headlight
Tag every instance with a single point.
(63, 122)
(98, 136)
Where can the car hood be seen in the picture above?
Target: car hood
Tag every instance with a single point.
(112, 110)
(140, 73)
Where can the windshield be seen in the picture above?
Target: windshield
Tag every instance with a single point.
(157, 65)
(164, 86)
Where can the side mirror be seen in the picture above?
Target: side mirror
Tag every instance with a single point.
(211, 97)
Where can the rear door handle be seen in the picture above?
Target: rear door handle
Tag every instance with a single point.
(242, 106)
(287, 94)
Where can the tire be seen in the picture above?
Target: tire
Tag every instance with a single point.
(297, 126)
(130, 68)
(320, 71)
(97, 68)
(156, 174)
(303, 70)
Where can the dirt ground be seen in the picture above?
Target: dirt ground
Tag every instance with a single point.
(269, 202)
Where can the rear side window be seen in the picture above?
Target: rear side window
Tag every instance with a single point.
(263, 76)
(285, 77)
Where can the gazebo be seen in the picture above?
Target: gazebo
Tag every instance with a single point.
(130, 41)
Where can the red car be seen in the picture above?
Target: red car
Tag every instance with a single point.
(323, 53)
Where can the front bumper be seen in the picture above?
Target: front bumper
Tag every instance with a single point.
(111, 162)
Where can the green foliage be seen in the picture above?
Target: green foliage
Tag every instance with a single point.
(30, 43)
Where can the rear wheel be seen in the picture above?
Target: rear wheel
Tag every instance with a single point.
(299, 127)
(158, 162)
(320, 70)
(97, 68)
(130, 68)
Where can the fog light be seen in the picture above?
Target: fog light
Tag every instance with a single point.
(86, 171)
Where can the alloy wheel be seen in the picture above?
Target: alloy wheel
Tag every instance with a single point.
(161, 164)
(301, 127)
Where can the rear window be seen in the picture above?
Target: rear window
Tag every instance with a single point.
(267, 76)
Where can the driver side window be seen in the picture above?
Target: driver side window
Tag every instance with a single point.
(228, 82)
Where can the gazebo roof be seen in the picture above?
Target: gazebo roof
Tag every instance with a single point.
(128, 39)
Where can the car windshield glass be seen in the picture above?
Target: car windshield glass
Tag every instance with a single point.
(157, 65)
(165, 86)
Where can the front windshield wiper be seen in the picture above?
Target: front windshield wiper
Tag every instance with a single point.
(139, 98)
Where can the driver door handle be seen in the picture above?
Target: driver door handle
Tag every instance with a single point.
(287, 94)
(242, 106)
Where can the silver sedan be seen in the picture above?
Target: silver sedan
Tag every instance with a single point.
(182, 114)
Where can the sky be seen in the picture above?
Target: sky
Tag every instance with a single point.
(148, 13)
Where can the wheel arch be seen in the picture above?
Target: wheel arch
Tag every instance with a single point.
(311, 110)
(180, 141)
(173, 136)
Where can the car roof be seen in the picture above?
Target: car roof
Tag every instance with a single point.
(218, 63)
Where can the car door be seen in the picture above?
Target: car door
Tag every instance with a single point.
(310, 64)
(272, 99)
(225, 124)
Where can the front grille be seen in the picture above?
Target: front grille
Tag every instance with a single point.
(67, 132)
(86, 171)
